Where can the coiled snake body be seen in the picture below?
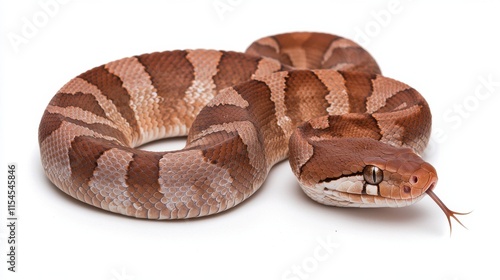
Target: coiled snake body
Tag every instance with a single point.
(352, 135)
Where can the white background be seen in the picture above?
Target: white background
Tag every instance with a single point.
(447, 50)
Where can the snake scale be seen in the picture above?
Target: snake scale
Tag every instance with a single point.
(353, 136)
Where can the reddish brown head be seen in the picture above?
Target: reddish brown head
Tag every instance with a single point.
(363, 172)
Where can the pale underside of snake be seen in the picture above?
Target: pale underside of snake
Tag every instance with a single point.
(353, 136)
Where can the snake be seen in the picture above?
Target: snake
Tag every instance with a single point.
(353, 137)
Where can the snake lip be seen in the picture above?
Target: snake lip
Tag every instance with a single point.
(432, 186)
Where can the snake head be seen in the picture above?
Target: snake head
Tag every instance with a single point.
(397, 174)
(363, 172)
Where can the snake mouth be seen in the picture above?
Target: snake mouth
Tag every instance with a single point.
(354, 192)
(432, 183)
(360, 200)
(431, 187)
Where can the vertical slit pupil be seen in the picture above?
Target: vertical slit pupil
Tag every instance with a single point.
(372, 174)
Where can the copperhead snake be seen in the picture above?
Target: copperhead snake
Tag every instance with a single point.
(353, 136)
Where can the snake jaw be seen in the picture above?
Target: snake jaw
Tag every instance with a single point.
(449, 213)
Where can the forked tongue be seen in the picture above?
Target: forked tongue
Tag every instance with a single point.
(449, 213)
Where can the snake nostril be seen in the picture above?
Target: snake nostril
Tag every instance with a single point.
(414, 179)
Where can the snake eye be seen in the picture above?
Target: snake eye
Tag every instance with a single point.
(373, 175)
